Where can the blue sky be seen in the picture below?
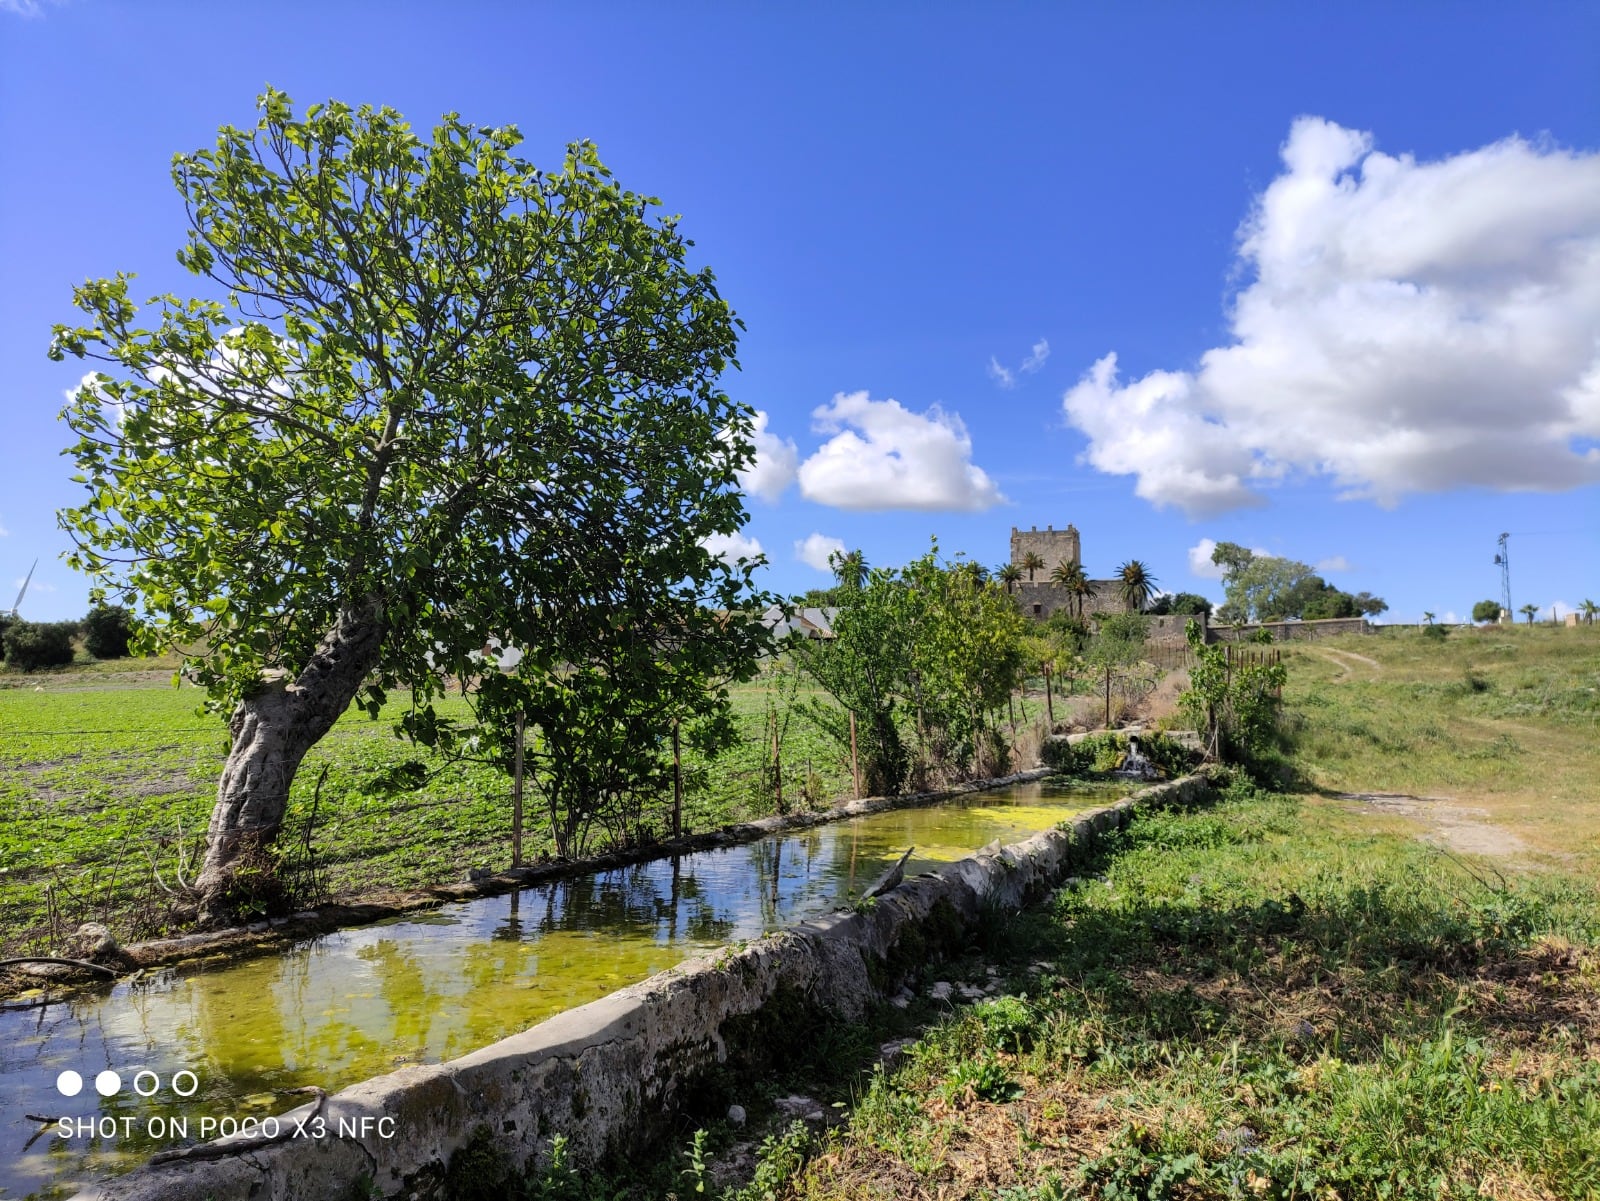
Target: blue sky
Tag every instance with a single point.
(1347, 257)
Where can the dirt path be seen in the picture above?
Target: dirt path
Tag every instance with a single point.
(1342, 660)
(1447, 822)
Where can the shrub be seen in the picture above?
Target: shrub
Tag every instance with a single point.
(1060, 755)
(1486, 610)
(6, 622)
(31, 645)
(1437, 633)
(107, 630)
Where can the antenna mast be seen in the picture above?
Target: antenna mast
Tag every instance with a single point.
(1504, 560)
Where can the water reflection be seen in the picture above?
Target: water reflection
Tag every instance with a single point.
(431, 987)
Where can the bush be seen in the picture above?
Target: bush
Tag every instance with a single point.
(1059, 755)
(6, 622)
(1437, 633)
(107, 630)
(31, 645)
(1486, 610)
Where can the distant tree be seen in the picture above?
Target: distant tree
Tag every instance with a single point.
(1530, 612)
(1032, 562)
(1190, 603)
(6, 621)
(1427, 617)
(1588, 608)
(819, 598)
(1075, 582)
(1135, 583)
(1486, 610)
(1009, 575)
(1270, 588)
(1370, 606)
(107, 630)
(31, 645)
(850, 569)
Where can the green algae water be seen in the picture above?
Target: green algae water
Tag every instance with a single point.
(241, 1038)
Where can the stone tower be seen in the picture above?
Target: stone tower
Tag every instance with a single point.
(1050, 544)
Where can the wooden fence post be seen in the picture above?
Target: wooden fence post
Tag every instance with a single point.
(677, 783)
(855, 764)
(516, 795)
(1108, 697)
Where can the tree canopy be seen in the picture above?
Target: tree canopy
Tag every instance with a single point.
(1270, 588)
(437, 397)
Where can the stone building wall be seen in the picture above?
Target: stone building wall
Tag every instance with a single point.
(1291, 631)
(1050, 544)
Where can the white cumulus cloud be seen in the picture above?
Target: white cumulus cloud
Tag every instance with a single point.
(814, 550)
(34, 585)
(732, 547)
(776, 461)
(884, 456)
(1406, 327)
(1333, 563)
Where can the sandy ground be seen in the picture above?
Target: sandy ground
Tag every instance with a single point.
(1447, 823)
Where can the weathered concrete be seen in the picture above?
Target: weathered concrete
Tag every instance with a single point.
(609, 1075)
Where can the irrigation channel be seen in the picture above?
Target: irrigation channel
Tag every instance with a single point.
(429, 987)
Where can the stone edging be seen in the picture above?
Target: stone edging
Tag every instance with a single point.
(611, 1074)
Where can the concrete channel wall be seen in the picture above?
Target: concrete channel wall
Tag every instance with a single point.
(609, 1076)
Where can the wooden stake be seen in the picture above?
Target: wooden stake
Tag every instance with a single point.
(1108, 698)
(855, 764)
(777, 765)
(677, 786)
(516, 796)
(1049, 702)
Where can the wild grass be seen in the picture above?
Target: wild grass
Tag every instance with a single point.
(1261, 1000)
(1507, 720)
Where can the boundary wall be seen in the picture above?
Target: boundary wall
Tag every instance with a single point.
(612, 1075)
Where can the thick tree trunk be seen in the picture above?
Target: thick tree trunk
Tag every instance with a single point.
(272, 730)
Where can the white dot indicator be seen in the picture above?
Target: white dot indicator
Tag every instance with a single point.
(107, 1083)
(69, 1084)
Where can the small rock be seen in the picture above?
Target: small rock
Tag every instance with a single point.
(795, 1106)
(939, 990)
(1239, 1137)
(893, 1052)
(900, 1002)
(736, 1115)
(93, 942)
(971, 993)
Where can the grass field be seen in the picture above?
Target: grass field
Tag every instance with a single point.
(108, 775)
(1294, 995)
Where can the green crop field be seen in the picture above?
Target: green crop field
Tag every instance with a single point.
(108, 774)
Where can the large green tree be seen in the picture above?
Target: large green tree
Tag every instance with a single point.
(1271, 588)
(436, 397)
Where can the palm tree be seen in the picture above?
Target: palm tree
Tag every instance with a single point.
(851, 568)
(1137, 584)
(1009, 575)
(1588, 608)
(1530, 612)
(1427, 618)
(1068, 575)
(1032, 562)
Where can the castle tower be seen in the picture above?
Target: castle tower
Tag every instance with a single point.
(1050, 544)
